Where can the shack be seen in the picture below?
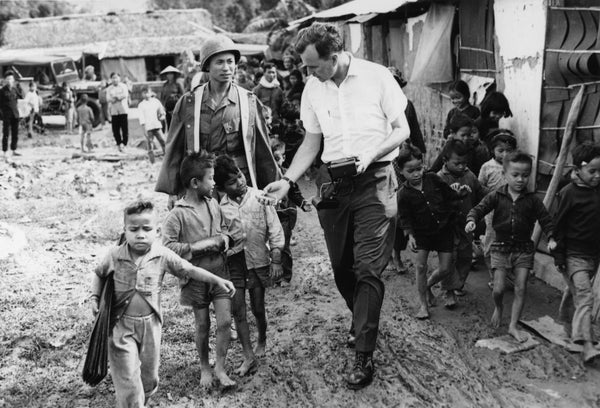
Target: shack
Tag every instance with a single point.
(537, 52)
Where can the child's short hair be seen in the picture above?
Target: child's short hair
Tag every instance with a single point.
(407, 153)
(137, 207)
(268, 65)
(517, 156)
(113, 74)
(458, 147)
(195, 166)
(84, 98)
(502, 136)
(460, 121)
(495, 101)
(585, 153)
(225, 167)
(462, 88)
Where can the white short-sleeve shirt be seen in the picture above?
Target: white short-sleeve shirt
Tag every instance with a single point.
(357, 115)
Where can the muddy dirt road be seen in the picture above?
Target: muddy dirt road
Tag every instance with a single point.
(69, 212)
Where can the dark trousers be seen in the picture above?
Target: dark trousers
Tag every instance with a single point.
(360, 238)
(10, 125)
(120, 129)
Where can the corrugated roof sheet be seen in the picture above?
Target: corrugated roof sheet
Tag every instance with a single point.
(359, 7)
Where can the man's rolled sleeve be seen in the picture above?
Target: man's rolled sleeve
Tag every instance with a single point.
(393, 100)
(307, 114)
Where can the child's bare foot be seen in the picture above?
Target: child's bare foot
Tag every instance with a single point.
(430, 298)
(519, 335)
(206, 378)
(496, 318)
(247, 366)
(449, 300)
(224, 379)
(259, 351)
(423, 313)
(589, 353)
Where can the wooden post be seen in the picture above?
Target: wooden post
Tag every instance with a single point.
(561, 159)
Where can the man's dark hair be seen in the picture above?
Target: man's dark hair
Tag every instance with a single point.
(517, 156)
(462, 88)
(268, 65)
(138, 207)
(407, 153)
(225, 168)
(457, 147)
(9, 73)
(460, 121)
(502, 136)
(585, 152)
(195, 166)
(326, 38)
(495, 101)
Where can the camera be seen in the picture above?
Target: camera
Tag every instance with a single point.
(339, 169)
(321, 203)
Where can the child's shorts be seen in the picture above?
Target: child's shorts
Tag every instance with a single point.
(442, 241)
(511, 259)
(199, 294)
(244, 278)
(86, 127)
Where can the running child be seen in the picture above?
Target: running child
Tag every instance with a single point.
(577, 233)
(426, 215)
(152, 113)
(85, 117)
(515, 212)
(138, 266)
(456, 173)
(254, 262)
(196, 230)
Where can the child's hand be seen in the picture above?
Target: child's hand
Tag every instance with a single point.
(463, 188)
(551, 244)
(306, 206)
(276, 270)
(228, 286)
(412, 243)
(94, 305)
(470, 227)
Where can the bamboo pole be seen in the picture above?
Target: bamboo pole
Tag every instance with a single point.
(561, 159)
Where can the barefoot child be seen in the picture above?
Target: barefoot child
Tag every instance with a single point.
(196, 230)
(515, 212)
(254, 262)
(426, 214)
(139, 265)
(491, 177)
(85, 116)
(456, 172)
(578, 241)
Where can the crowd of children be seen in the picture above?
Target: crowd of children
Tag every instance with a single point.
(220, 250)
(482, 175)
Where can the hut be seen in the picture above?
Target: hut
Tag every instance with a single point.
(138, 45)
(537, 52)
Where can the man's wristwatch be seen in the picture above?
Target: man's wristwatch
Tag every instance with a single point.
(290, 182)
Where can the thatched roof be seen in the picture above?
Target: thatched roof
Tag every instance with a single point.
(88, 28)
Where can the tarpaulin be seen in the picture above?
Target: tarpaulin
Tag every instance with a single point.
(134, 68)
(433, 60)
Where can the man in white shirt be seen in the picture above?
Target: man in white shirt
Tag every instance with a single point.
(118, 104)
(151, 112)
(356, 108)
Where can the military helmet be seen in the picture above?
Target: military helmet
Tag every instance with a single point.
(217, 45)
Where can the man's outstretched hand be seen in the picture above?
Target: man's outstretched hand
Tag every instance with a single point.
(277, 190)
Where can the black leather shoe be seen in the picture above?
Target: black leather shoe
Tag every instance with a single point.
(362, 372)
